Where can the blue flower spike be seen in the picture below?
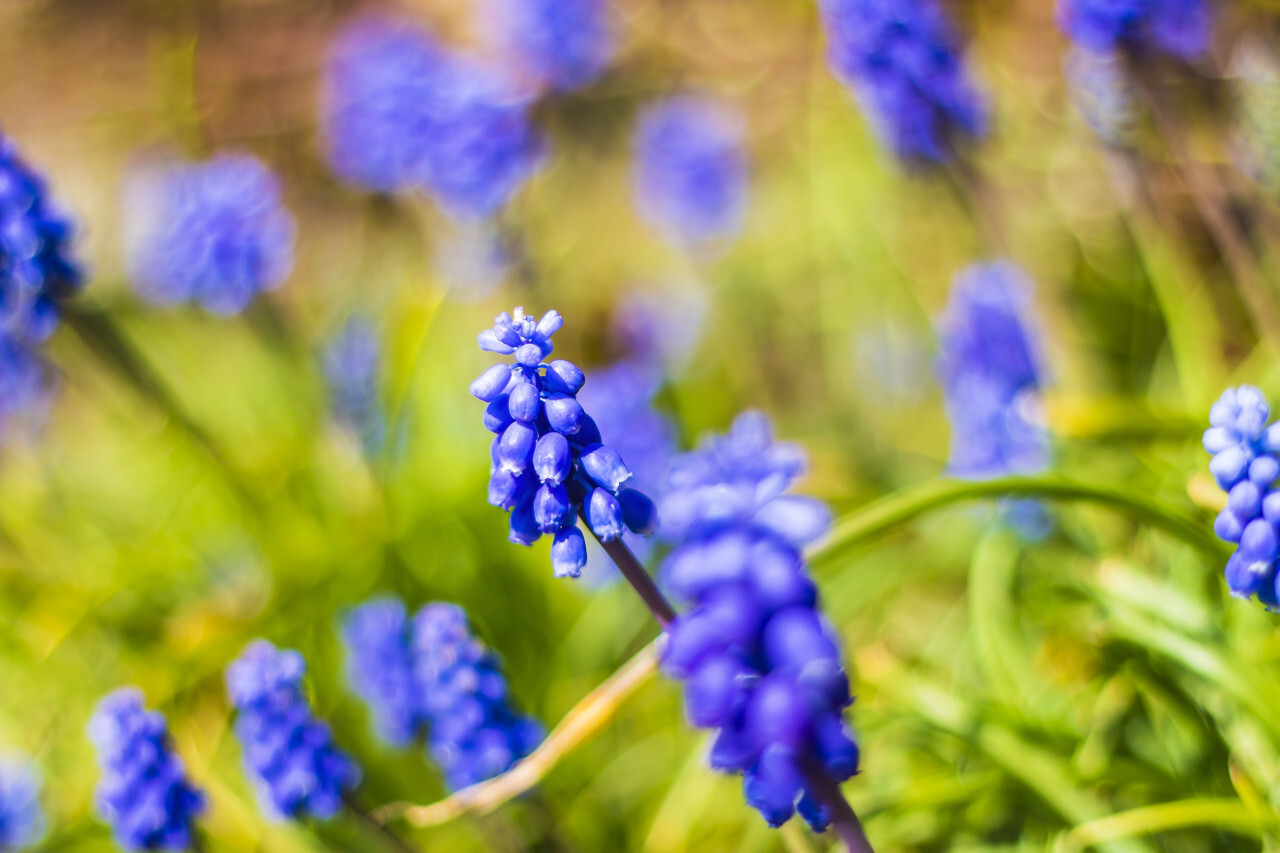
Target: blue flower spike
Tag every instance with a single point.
(564, 45)
(22, 819)
(1178, 28)
(144, 792)
(550, 465)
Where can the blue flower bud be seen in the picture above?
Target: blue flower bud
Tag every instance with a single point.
(548, 326)
(773, 784)
(551, 507)
(1245, 499)
(490, 341)
(588, 433)
(638, 512)
(1228, 527)
(604, 514)
(551, 458)
(1264, 470)
(1245, 578)
(605, 466)
(1259, 542)
(497, 415)
(795, 636)
(525, 402)
(564, 413)
(524, 527)
(515, 451)
(529, 355)
(716, 690)
(568, 553)
(1271, 507)
(1230, 465)
(563, 377)
(491, 383)
(506, 489)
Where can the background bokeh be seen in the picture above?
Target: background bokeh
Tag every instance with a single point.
(1009, 694)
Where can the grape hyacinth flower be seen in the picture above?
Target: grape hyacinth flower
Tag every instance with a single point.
(1104, 95)
(1179, 28)
(562, 44)
(351, 362)
(758, 660)
(144, 793)
(290, 755)
(22, 820)
(36, 273)
(902, 61)
(380, 660)
(215, 232)
(1245, 465)
(691, 169)
(474, 732)
(550, 463)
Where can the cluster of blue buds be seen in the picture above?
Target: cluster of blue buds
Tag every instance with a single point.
(563, 44)
(215, 232)
(22, 820)
(902, 60)
(351, 362)
(1180, 28)
(429, 675)
(36, 271)
(691, 169)
(550, 464)
(144, 793)
(758, 660)
(401, 113)
(1245, 464)
(991, 369)
(290, 755)
(474, 733)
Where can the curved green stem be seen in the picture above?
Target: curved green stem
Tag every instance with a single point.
(880, 516)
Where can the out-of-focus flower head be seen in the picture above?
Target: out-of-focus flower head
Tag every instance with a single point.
(661, 326)
(36, 272)
(549, 462)
(144, 793)
(903, 62)
(992, 369)
(1103, 93)
(402, 113)
(377, 635)
(351, 364)
(562, 44)
(475, 732)
(22, 819)
(758, 660)
(289, 754)
(691, 169)
(215, 232)
(1181, 28)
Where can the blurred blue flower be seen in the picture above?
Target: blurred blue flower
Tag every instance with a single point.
(1103, 93)
(661, 326)
(289, 754)
(402, 113)
(1181, 28)
(351, 363)
(22, 819)
(992, 370)
(215, 232)
(903, 61)
(549, 463)
(36, 271)
(378, 638)
(144, 793)
(758, 660)
(475, 733)
(691, 169)
(563, 44)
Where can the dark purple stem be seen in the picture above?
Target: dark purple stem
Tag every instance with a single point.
(843, 818)
(639, 579)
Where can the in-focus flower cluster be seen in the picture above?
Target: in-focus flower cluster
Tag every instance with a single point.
(563, 44)
(351, 362)
(991, 369)
(1245, 465)
(36, 271)
(550, 464)
(429, 675)
(22, 820)
(902, 60)
(290, 755)
(215, 232)
(1181, 28)
(401, 113)
(758, 660)
(144, 793)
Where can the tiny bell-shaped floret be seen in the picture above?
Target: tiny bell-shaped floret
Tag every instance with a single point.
(491, 383)
(568, 553)
(551, 507)
(551, 458)
(604, 514)
(603, 464)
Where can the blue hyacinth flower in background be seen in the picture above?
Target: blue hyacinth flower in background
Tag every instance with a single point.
(1103, 94)
(1179, 28)
(475, 734)
(1245, 464)
(378, 636)
(562, 44)
(215, 232)
(403, 113)
(903, 61)
(758, 659)
(691, 169)
(22, 819)
(144, 792)
(290, 755)
(351, 362)
(36, 272)
(550, 464)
